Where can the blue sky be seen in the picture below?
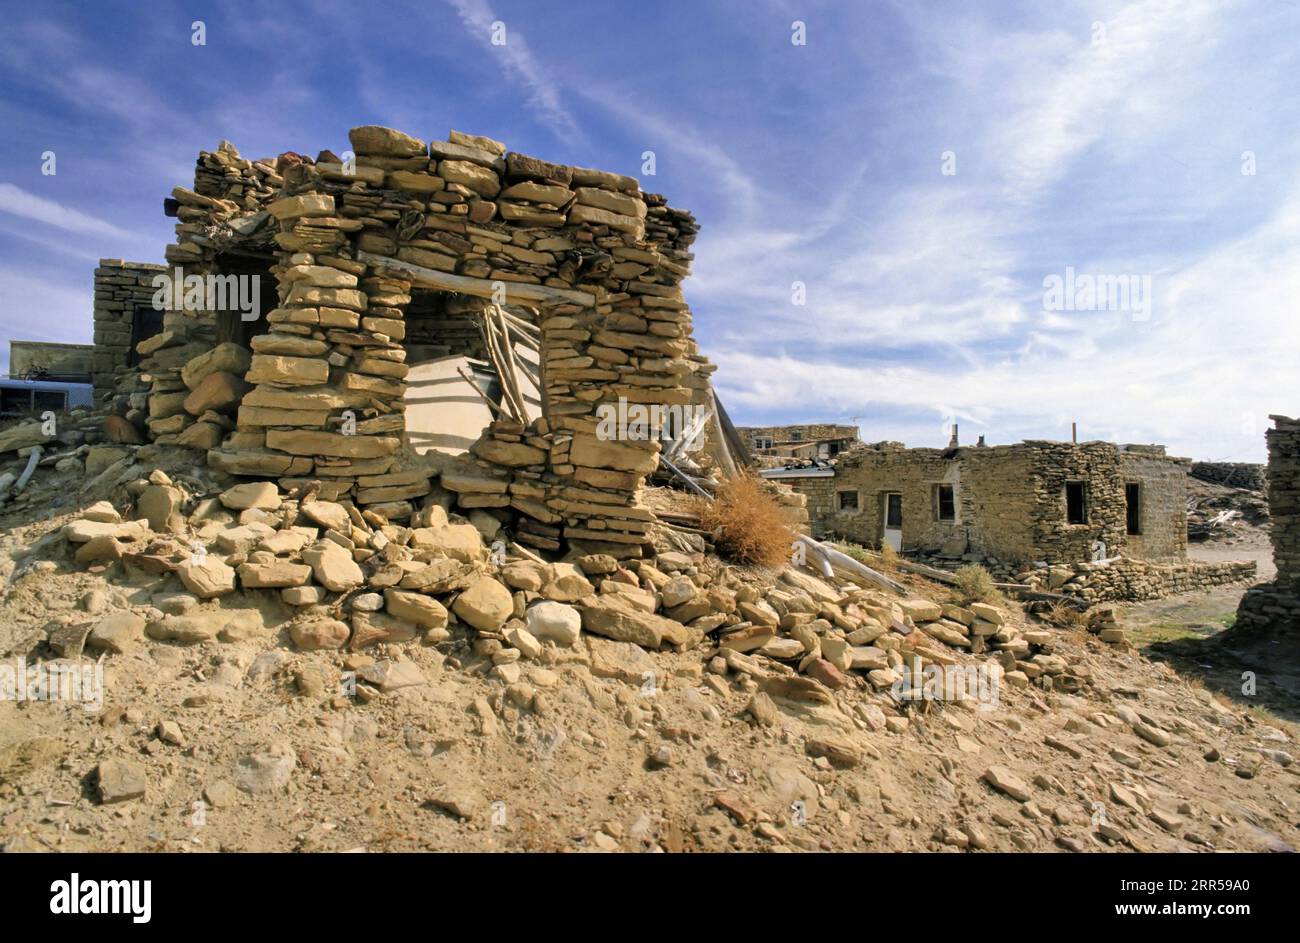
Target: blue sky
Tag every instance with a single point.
(1107, 138)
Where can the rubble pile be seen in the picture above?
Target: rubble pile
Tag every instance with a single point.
(351, 579)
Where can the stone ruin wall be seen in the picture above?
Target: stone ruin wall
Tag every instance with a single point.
(1232, 474)
(120, 288)
(811, 432)
(1272, 610)
(600, 260)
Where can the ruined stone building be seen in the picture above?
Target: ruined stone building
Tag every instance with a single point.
(1272, 610)
(415, 300)
(1050, 501)
(773, 446)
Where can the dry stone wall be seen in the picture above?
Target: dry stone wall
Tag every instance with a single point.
(1272, 610)
(1232, 474)
(1010, 500)
(121, 288)
(319, 396)
(1129, 580)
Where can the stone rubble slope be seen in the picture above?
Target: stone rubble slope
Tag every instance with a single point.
(783, 691)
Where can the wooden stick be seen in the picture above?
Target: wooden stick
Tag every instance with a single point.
(515, 292)
(469, 379)
(853, 567)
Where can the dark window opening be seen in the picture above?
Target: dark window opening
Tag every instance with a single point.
(145, 323)
(945, 504)
(834, 448)
(1133, 499)
(848, 500)
(1076, 503)
(15, 402)
(49, 399)
(796, 437)
(894, 510)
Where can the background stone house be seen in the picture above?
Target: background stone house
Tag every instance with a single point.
(772, 446)
(1033, 501)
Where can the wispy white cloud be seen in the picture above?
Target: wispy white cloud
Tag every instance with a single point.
(19, 202)
(543, 93)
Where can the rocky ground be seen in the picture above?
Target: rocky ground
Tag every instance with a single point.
(470, 739)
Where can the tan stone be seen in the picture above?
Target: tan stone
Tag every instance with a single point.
(307, 442)
(217, 391)
(207, 577)
(423, 610)
(288, 371)
(251, 494)
(485, 604)
(333, 566)
(385, 142)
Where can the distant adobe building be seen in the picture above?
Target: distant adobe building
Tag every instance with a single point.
(775, 445)
(1036, 501)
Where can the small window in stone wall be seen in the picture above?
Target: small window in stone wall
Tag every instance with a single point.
(1133, 502)
(762, 442)
(1076, 502)
(945, 505)
(848, 500)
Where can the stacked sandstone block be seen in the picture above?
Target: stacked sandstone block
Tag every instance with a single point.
(120, 288)
(325, 384)
(1273, 609)
(1132, 580)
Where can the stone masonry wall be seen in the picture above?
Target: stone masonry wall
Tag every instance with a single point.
(1163, 506)
(320, 395)
(1272, 610)
(1232, 474)
(1134, 580)
(1010, 500)
(120, 287)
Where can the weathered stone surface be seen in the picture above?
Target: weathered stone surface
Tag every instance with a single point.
(120, 780)
(921, 610)
(224, 358)
(328, 515)
(251, 494)
(418, 608)
(555, 621)
(333, 566)
(1006, 782)
(160, 505)
(287, 371)
(616, 618)
(319, 633)
(207, 577)
(219, 391)
(117, 632)
(306, 442)
(273, 575)
(589, 451)
(385, 142)
(485, 604)
(481, 180)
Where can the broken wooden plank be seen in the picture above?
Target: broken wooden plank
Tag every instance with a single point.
(514, 292)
